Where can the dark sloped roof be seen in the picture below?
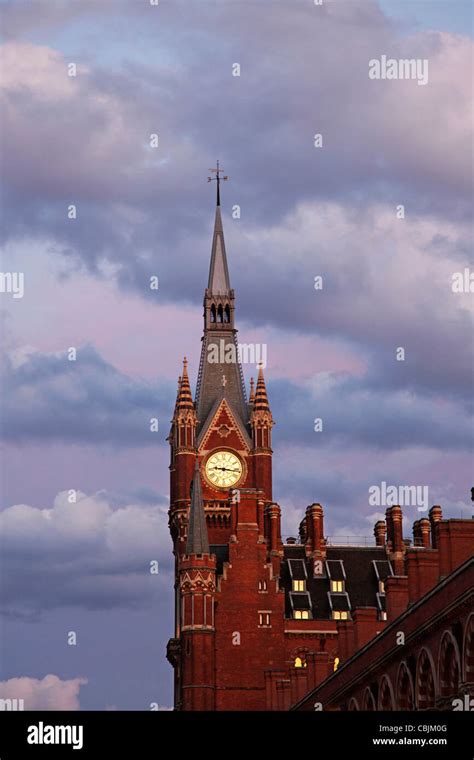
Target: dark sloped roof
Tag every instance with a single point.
(359, 569)
(300, 600)
(197, 541)
(297, 568)
(339, 602)
(335, 569)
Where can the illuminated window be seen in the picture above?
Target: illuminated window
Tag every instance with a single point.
(336, 663)
(340, 615)
(262, 586)
(301, 614)
(383, 615)
(300, 662)
(337, 587)
(299, 585)
(381, 587)
(264, 619)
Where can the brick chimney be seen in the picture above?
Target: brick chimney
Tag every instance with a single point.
(380, 530)
(436, 515)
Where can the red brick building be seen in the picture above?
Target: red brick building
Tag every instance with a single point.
(258, 622)
(424, 658)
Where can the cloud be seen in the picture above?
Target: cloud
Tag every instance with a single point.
(48, 693)
(82, 554)
(47, 396)
(387, 282)
(354, 413)
(382, 140)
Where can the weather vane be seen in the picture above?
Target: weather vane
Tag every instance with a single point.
(217, 171)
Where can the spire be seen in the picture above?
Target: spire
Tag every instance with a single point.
(197, 541)
(252, 391)
(220, 350)
(261, 398)
(185, 398)
(219, 282)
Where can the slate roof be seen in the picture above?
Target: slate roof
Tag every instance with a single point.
(360, 569)
(197, 541)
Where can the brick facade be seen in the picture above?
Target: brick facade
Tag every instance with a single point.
(260, 623)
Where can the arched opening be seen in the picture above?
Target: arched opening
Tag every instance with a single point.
(449, 666)
(353, 705)
(300, 661)
(227, 314)
(468, 653)
(213, 313)
(425, 682)
(385, 695)
(299, 658)
(405, 696)
(369, 701)
(220, 317)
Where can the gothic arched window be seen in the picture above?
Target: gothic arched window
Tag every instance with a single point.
(213, 313)
(425, 682)
(226, 314)
(219, 314)
(300, 661)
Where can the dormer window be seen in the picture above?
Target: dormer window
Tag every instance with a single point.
(340, 615)
(301, 615)
(299, 585)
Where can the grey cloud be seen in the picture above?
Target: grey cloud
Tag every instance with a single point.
(82, 554)
(356, 415)
(83, 401)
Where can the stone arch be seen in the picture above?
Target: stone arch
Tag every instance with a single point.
(353, 705)
(468, 650)
(405, 690)
(425, 684)
(449, 665)
(368, 701)
(299, 657)
(386, 699)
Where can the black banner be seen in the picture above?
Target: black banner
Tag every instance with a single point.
(150, 734)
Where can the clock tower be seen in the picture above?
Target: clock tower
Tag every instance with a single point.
(221, 511)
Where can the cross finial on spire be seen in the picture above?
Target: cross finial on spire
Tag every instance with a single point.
(217, 171)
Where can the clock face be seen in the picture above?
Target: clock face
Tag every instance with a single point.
(223, 469)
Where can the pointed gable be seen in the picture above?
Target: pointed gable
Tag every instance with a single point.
(225, 423)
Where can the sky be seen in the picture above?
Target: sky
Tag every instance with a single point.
(381, 211)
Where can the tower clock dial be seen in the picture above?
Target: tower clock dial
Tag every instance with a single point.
(223, 469)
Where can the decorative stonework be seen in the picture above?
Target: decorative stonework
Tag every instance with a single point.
(199, 582)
